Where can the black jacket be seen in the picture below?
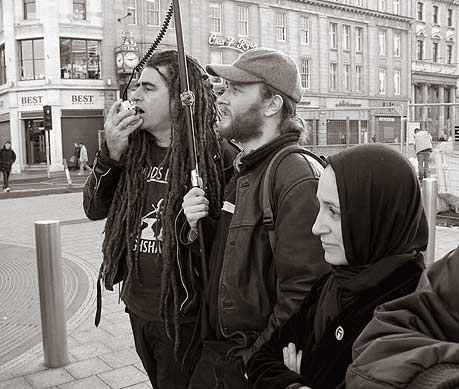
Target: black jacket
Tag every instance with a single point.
(260, 288)
(324, 363)
(7, 158)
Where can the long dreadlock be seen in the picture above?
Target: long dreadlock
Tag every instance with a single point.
(124, 218)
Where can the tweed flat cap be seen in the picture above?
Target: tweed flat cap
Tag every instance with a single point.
(269, 66)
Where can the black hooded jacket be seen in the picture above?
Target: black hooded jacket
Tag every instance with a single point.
(384, 229)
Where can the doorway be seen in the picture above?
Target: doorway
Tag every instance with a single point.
(35, 136)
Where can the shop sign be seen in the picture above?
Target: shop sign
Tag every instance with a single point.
(31, 100)
(241, 44)
(83, 99)
(383, 119)
(345, 103)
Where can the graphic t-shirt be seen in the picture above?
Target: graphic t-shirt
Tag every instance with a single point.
(143, 299)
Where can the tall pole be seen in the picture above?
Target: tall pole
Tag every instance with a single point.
(188, 103)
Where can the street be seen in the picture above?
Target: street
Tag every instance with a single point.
(101, 357)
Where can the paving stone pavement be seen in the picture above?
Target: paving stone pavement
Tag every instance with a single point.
(102, 357)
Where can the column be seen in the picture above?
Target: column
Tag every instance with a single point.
(425, 100)
(441, 111)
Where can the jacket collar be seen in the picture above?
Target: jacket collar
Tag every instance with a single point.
(244, 162)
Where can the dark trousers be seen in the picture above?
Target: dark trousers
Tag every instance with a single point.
(156, 351)
(423, 164)
(216, 370)
(6, 177)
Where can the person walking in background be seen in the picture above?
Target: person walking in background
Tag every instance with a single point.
(255, 287)
(423, 149)
(83, 160)
(75, 158)
(373, 230)
(7, 158)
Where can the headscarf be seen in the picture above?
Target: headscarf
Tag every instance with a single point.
(382, 221)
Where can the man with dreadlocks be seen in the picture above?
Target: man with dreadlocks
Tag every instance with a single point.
(254, 287)
(138, 182)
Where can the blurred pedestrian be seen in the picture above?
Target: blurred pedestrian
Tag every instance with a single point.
(75, 158)
(7, 158)
(423, 149)
(83, 160)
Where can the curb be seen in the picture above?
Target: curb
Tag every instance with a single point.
(40, 192)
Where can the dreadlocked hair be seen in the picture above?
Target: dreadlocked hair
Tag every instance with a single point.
(124, 218)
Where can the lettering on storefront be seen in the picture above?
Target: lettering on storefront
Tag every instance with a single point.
(83, 99)
(241, 44)
(344, 103)
(31, 100)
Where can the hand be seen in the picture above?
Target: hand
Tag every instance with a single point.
(195, 206)
(118, 125)
(292, 359)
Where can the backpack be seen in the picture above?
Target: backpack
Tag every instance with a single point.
(316, 163)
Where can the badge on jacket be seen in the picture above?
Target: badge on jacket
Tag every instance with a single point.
(339, 333)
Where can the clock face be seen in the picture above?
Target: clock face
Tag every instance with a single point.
(131, 59)
(119, 60)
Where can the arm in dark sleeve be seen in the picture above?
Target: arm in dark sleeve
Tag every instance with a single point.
(413, 337)
(101, 184)
(298, 254)
(266, 368)
(14, 157)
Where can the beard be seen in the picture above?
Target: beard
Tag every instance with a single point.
(244, 126)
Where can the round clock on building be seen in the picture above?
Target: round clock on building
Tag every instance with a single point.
(131, 59)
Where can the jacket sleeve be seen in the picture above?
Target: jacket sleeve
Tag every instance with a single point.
(100, 186)
(298, 255)
(414, 338)
(266, 369)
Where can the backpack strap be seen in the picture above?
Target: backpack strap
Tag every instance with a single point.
(316, 164)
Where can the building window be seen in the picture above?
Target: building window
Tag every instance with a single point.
(333, 75)
(347, 77)
(359, 3)
(420, 10)
(153, 13)
(346, 37)
(382, 5)
(382, 82)
(32, 59)
(215, 17)
(132, 8)
(30, 9)
(396, 7)
(333, 36)
(382, 42)
(449, 54)
(281, 26)
(420, 50)
(397, 80)
(79, 9)
(305, 74)
(358, 78)
(397, 44)
(358, 39)
(80, 59)
(216, 57)
(243, 12)
(435, 52)
(2, 65)
(304, 30)
(435, 14)
(450, 17)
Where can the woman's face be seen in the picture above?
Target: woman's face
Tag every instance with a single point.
(328, 222)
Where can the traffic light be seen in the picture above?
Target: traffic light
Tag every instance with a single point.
(47, 119)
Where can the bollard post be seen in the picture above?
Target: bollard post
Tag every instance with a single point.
(67, 173)
(429, 199)
(51, 285)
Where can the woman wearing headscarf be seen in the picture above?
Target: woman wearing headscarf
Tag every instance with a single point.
(373, 228)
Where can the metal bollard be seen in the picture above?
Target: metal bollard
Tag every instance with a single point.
(429, 199)
(51, 285)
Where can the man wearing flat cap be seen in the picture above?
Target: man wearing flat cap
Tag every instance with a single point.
(255, 287)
